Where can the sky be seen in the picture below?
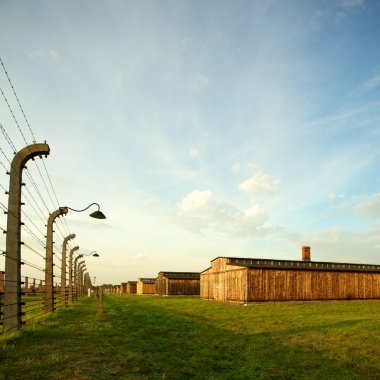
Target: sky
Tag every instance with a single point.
(202, 128)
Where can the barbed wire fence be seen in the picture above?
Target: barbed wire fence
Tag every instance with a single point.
(39, 200)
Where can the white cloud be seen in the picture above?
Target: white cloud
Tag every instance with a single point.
(353, 3)
(195, 200)
(256, 211)
(193, 152)
(260, 184)
(369, 206)
(236, 167)
(370, 84)
(54, 54)
(333, 196)
(209, 216)
(367, 86)
(199, 84)
(45, 52)
(341, 245)
(333, 235)
(253, 167)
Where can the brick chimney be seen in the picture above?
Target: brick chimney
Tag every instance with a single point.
(306, 253)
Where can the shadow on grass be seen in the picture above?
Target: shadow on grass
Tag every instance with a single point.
(142, 338)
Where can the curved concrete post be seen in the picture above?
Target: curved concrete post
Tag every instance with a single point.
(12, 291)
(49, 296)
(75, 280)
(80, 270)
(70, 289)
(63, 294)
(84, 283)
(82, 280)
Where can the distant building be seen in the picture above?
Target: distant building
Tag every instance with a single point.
(131, 287)
(251, 280)
(146, 286)
(177, 283)
(123, 288)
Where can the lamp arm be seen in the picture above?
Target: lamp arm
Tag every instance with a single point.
(84, 208)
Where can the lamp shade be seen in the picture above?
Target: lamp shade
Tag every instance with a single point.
(98, 215)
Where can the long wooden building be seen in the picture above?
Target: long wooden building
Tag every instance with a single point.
(177, 283)
(123, 289)
(146, 286)
(131, 287)
(251, 280)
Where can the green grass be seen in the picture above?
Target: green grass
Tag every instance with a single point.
(33, 306)
(153, 337)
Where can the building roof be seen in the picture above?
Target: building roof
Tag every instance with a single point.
(181, 275)
(302, 265)
(147, 280)
(132, 282)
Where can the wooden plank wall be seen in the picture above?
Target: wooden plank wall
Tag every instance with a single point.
(139, 288)
(281, 285)
(224, 282)
(167, 285)
(161, 285)
(131, 288)
(182, 287)
(225, 286)
(142, 288)
(149, 288)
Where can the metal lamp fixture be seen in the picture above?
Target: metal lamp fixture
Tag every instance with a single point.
(93, 254)
(96, 214)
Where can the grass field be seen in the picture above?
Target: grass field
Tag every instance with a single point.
(149, 337)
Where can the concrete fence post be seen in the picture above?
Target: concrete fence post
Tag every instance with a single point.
(81, 268)
(76, 273)
(26, 284)
(49, 301)
(2, 282)
(84, 283)
(63, 293)
(80, 282)
(70, 288)
(12, 291)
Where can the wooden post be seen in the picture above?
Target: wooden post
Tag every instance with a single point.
(100, 300)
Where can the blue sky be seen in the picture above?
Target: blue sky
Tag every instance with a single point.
(204, 128)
